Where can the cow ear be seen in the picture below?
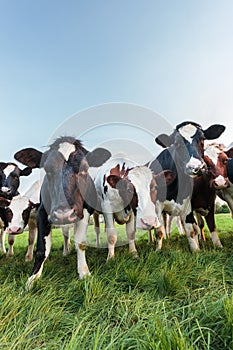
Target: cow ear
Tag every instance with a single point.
(165, 178)
(214, 131)
(2, 165)
(98, 157)
(230, 170)
(26, 171)
(4, 202)
(163, 140)
(30, 157)
(113, 180)
(229, 152)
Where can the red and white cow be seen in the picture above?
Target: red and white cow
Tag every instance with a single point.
(21, 212)
(127, 195)
(206, 186)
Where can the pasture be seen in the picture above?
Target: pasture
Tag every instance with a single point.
(173, 299)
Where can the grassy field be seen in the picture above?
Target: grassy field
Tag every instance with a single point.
(173, 299)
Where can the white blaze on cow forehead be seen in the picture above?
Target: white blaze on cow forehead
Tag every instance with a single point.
(188, 131)
(212, 151)
(66, 149)
(8, 169)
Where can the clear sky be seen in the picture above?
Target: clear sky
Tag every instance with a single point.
(60, 57)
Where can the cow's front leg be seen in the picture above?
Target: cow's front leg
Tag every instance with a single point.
(130, 230)
(66, 238)
(11, 241)
(191, 231)
(80, 230)
(32, 229)
(212, 227)
(111, 234)
(2, 240)
(43, 246)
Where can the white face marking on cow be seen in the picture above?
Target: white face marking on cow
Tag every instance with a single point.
(66, 149)
(17, 206)
(188, 131)
(212, 151)
(9, 169)
(220, 181)
(141, 177)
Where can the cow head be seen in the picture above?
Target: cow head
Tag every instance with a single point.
(10, 178)
(186, 145)
(216, 160)
(67, 186)
(17, 214)
(138, 190)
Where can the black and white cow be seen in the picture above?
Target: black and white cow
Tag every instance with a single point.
(127, 195)
(184, 156)
(10, 175)
(22, 211)
(68, 195)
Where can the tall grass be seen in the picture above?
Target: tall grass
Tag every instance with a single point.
(173, 299)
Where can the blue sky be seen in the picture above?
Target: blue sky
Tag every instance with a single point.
(60, 57)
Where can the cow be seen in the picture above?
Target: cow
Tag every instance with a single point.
(205, 189)
(127, 195)
(22, 211)
(10, 174)
(68, 195)
(183, 154)
(226, 194)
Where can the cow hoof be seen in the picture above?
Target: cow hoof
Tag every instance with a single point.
(84, 275)
(28, 258)
(10, 255)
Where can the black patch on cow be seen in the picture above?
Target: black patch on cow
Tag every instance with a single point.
(190, 219)
(230, 170)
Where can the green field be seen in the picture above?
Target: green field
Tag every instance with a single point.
(173, 299)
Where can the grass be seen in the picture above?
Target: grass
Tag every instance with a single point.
(173, 299)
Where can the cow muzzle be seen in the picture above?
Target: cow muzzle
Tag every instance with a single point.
(14, 230)
(64, 216)
(195, 167)
(220, 183)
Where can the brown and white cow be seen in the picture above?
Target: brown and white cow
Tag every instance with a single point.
(68, 195)
(206, 187)
(127, 195)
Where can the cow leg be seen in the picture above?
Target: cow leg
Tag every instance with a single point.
(2, 240)
(32, 228)
(191, 231)
(97, 228)
(150, 236)
(43, 245)
(11, 241)
(111, 234)
(212, 227)
(201, 225)
(66, 237)
(130, 230)
(180, 225)
(80, 230)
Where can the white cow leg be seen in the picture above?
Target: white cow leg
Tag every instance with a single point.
(130, 230)
(111, 235)
(159, 234)
(37, 275)
(2, 241)
(66, 237)
(192, 236)
(31, 242)
(215, 239)
(11, 241)
(80, 229)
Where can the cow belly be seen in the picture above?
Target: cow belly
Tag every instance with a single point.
(176, 209)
